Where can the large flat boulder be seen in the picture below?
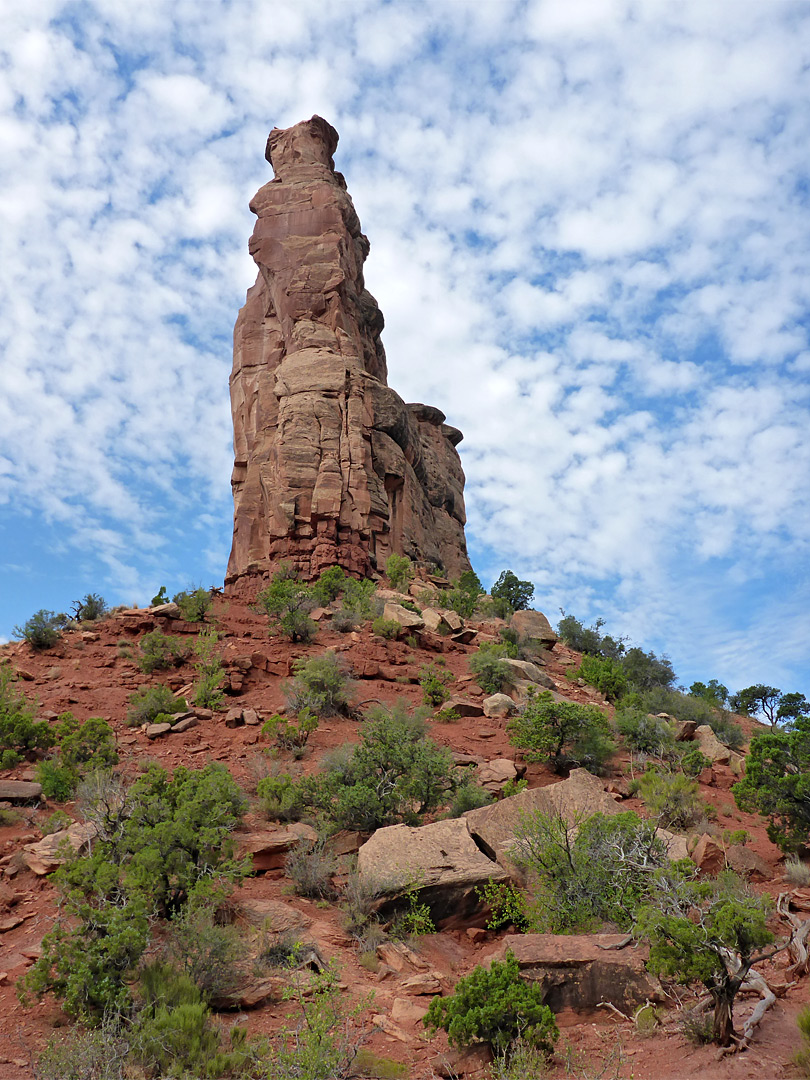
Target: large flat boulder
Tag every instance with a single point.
(19, 791)
(440, 862)
(578, 971)
(404, 616)
(580, 795)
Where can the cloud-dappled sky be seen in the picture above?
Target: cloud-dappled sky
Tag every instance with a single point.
(590, 240)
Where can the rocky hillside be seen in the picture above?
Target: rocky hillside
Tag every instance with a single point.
(431, 873)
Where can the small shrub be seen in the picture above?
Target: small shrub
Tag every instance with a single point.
(660, 699)
(195, 604)
(87, 746)
(697, 1026)
(415, 921)
(288, 603)
(55, 822)
(693, 762)
(728, 732)
(311, 868)
(291, 734)
(514, 787)
(159, 652)
(358, 597)
(329, 585)
(208, 693)
(281, 951)
(446, 716)
(508, 906)
(491, 673)
(797, 872)
(396, 774)
(522, 1062)
(671, 798)
(344, 621)
(282, 798)
(360, 918)
(20, 734)
(210, 954)
(495, 1006)
(468, 796)
(321, 684)
(606, 675)
(802, 1057)
(90, 608)
(595, 870)
(9, 817)
(161, 597)
(563, 733)
(124, 649)
(87, 1054)
(174, 1035)
(58, 781)
(389, 629)
(42, 630)
(434, 681)
(398, 571)
(645, 734)
(738, 837)
(146, 704)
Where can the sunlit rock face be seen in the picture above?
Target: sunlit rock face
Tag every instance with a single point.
(331, 465)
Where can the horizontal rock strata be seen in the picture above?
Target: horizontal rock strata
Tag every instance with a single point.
(331, 465)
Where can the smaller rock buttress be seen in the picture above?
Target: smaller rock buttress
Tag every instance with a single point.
(331, 466)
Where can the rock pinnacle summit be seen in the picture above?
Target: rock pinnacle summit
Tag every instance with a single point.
(331, 465)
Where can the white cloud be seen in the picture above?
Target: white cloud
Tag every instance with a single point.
(589, 240)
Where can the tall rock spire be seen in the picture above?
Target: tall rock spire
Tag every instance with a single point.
(331, 466)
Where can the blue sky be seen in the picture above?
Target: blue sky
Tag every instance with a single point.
(589, 237)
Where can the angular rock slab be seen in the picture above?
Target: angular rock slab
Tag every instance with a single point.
(441, 862)
(575, 973)
(580, 795)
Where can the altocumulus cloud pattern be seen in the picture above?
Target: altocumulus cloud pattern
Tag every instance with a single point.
(589, 228)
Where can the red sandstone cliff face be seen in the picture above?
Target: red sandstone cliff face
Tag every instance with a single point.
(331, 466)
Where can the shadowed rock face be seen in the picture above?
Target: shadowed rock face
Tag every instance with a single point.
(331, 465)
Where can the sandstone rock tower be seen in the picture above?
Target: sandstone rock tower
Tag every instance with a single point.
(331, 466)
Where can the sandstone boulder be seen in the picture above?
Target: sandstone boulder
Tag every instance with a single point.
(19, 791)
(47, 854)
(406, 618)
(268, 849)
(273, 916)
(464, 707)
(404, 1010)
(748, 864)
(492, 775)
(441, 862)
(533, 626)
(531, 673)
(493, 827)
(499, 706)
(709, 855)
(714, 750)
(685, 730)
(578, 971)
